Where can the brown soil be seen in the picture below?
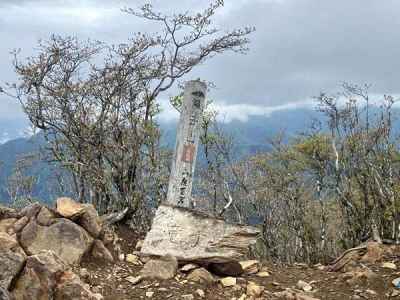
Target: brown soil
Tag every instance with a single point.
(109, 280)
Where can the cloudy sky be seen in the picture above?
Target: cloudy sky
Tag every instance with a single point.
(300, 47)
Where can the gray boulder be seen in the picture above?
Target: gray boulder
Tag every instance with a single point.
(12, 259)
(4, 295)
(6, 213)
(100, 251)
(70, 287)
(201, 275)
(83, 214)
(90, 220)
(47, 277)
(66, 239)
(39, 278)
(163, 268)
(7, 224)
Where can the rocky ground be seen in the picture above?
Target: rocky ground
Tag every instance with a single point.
(71, 253)
(367, 275)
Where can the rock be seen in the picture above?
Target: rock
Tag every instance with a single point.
(163, 268)
(121, 257)
(99, 251)
(254, 290)
(139, 245)
(263, 274)
(193, 236)
(45, 217)
(65, 238)
(243, 297)
(134, 280)
(305, 297)
(237, 287)
(12, 259)
(20, 224)
(304, 286)
(293, 295)
(396, 282)
(149, 294)
(374, 253)
(46, 277)
(200, 293)
(359, 275)
(8, 243)
(70, 287)
(7, 224)
(107, 235)
(389, 265)
(228, 281)
(90, 220)
(83, 214)
(84, 274)
(8, 213)
(395, 293)
(232, 268)
(201, 276)
(144, 259)
(31, 210)
(189, 267)
(188, 297)
(319, 266)
(39, 278)
(133, 259)
(4, 295)
(250, 266)
(10, 266)
(69, 208)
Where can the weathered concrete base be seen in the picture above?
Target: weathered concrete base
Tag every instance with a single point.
(193, 236)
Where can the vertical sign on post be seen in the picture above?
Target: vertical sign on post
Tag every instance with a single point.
(187, 140)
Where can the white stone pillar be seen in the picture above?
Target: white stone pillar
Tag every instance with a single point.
(187, 141)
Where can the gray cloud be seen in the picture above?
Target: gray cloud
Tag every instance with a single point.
(303, 46)
(300, 48)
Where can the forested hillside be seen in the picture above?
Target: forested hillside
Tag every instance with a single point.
(249, 138)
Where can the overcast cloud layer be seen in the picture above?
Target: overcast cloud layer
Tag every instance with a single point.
(300, 47)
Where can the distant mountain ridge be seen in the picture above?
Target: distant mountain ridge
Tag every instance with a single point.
(12, 130)
(250, 137)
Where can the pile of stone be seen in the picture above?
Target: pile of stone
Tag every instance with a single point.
(240, 277)
(209, 250)
(39, 245)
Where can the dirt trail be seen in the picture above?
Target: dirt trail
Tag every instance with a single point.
(362, 281)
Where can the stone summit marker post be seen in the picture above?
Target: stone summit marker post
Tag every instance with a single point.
(178, 230)
(187, 141)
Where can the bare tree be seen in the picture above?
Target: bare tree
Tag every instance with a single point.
(366, 170)
(21, 183)
(321, 192)
(99, 118)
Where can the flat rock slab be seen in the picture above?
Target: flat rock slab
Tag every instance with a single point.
(196, 237)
